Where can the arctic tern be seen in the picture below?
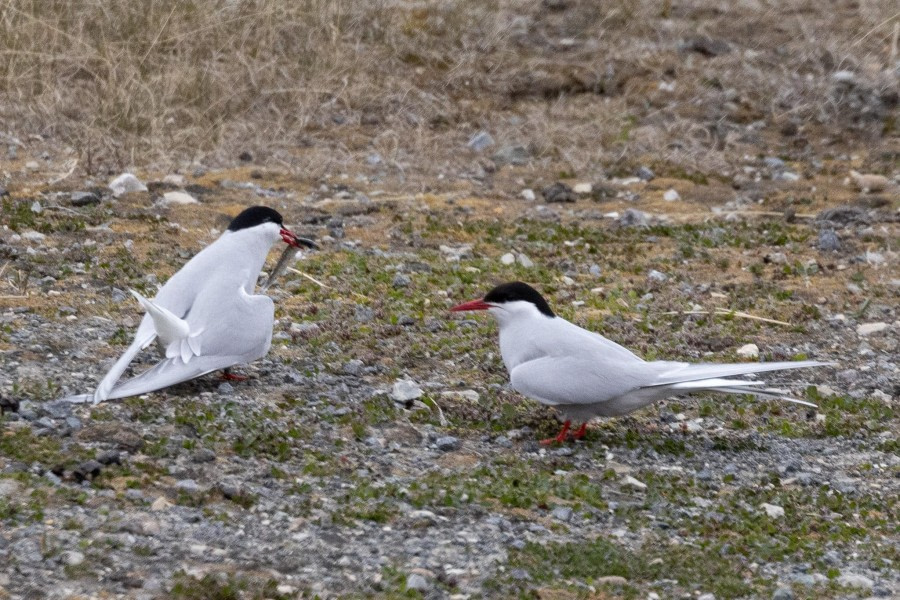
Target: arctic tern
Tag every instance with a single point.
(584, 375)
(206, 317)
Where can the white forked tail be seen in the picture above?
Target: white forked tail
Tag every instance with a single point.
(697, 377)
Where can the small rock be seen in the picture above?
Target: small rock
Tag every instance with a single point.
(401, 280)
(855, 581)
(33, 236)
(203, 455)
(612, 580)
(245, 156)
(634, 218)
(748, 351)
(72, 558)
(512, 155)
(868, 182)
(645, 174)
(787, 176)
(524, 261)
(126, 183)
(583, 188)
(508, 258)
(32, 165)
(447, 443)
(87, 470)
(562, 513)
(110, 457)
(657, 276)
(480, 141)
(174, 179)
(528, 195)
(636, 484)
(83, 198)
(225, 388)
(362, 314)
(706, 597)
(188, 486)
(558, 192)
(870, 328)
(405, 390)
(418, 583)
(828, 241)
(671, 195)
(706, 46)
(783, 593)
(774, 511)
(178, 198)
(845, 77)
(353, 367)
(774, 163)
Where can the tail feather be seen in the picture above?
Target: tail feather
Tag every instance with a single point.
(769, 393)
(696, 372)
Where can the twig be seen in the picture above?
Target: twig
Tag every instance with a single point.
(320, 284)
(723, 311)
(71, 170)
(13, 297)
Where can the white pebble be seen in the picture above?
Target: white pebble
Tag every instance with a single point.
(671, 195)
(748, 351)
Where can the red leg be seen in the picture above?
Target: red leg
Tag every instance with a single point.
(561, 437)
(582, 431)
(227, 375)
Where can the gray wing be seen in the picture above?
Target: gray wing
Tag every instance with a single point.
(231, 333)
(566, 380)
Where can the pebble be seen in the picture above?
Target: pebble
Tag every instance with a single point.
(558, 192)
(480, 141)
(871, 328)
(512, 155)
(583, 188)
(636, 484)
(83, 198)
(508, 258)
(828, 241)
(405, 390)
(748, 351)
(447, 443)
(225, 388)
(401, 280)
(671, 195)
(774, 511)
(613, 580)
(783, 593)
(188, 486)
(645, 174)
(524, 261)
(706, 597)
(418, 583)
(353, 367)
(528, 195)
(846, 77)
(868, 182)
(657, 276)
(72, 558)
(633, 217)
(562, 513)
(126, 183)
(178, 198)
(87, 470)
(855, 581)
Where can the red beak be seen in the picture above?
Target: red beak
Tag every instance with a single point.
(292, 240)
(473, 305)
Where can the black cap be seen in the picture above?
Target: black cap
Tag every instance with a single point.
(516, 290)
(253, 216)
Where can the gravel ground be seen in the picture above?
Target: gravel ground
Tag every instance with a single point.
(321, 476)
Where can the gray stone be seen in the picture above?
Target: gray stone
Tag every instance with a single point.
(562, 513)
(447, 443)
(783, 593)
(84, 198)
(72, 558)
(203, 455)
(401, 280)
(188, 486)
(645, 173)
(634, 218)
(559, 192)
(418, 583)
(657, 276)
(480, 141)
(87, 470)
(353, 367)
(855, 581)
(405, 390)
(828, 241)
(364, 314)
(512, 155)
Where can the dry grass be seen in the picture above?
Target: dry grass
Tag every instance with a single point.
(316, 86)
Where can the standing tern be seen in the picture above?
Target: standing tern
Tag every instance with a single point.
(206, 317)
(584, 375)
